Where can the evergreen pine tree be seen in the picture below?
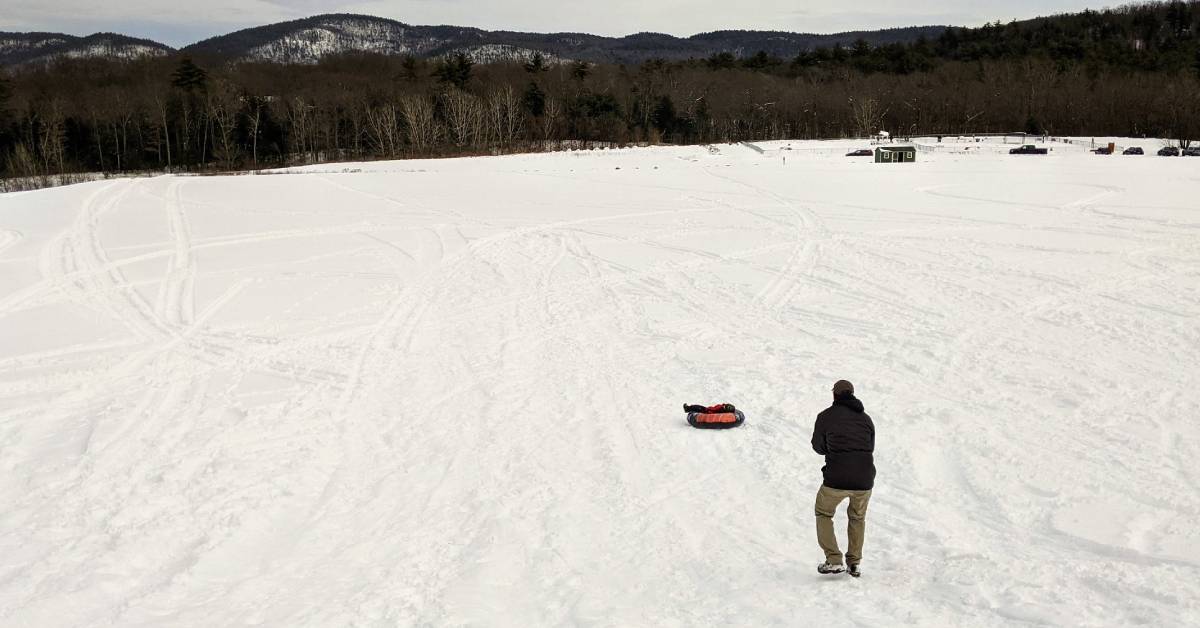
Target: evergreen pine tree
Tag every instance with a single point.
(721, 61)
(455, 70)
(409, 68)
(1032, 127)
(536, 64)
(760, 61)
(804, 59)
(189, 76)
(663, 117)
(580, 70)
(1179, 18)
(534, 100)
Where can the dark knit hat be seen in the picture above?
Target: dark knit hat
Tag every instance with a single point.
(843, 387)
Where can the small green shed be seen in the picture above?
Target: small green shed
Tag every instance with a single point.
(895, 154)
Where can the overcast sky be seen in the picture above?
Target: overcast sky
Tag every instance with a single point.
(178, 23)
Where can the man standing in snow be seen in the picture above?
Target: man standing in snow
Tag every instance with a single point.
(845, 435)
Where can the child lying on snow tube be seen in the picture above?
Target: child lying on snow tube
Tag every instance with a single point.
(719, 417)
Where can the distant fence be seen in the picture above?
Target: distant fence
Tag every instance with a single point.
(962, 149)
(976, 143)
(1091, 144)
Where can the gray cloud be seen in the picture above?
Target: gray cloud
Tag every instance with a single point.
(178, 23)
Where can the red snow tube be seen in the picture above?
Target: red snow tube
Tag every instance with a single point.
(716, 421)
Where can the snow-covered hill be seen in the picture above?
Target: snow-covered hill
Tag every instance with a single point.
(340, 34)
(331, 35)
(447, 393)
(19, 48)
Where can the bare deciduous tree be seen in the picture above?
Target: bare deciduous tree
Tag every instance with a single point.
(551, 118)
(419, 121)
(504, 115)
(867, 114)
(464, 117)
(383, 123)
(222, 107)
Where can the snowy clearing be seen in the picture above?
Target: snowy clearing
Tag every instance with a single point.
(447, 393)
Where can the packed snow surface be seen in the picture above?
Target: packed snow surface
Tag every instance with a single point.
(448, 393)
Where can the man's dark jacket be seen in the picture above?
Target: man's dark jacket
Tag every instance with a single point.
(845, 435)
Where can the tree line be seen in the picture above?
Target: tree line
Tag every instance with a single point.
(179, 113)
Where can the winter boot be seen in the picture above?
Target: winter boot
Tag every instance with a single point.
(853, 569)
(827, 569)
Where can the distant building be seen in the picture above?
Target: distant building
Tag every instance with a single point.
(895, 154)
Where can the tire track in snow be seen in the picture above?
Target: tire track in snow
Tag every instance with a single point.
(177, 292)
(400, 321)
(400, 329)
(810, 231)
(86, 273)
(67, 261)
(124, 432)
(25, 298)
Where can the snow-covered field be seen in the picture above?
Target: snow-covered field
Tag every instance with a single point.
(445, 393)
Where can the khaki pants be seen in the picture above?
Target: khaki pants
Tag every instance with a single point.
(827, 502)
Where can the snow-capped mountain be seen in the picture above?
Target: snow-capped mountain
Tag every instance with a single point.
(310, 39)
(20, 48)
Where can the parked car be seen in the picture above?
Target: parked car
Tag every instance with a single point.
(1168, 151)
(1103, 150)
(1029, 149)
(1192, 152)
(862, 152)
(1134, 150)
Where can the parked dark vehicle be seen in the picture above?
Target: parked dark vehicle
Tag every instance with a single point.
(1192, 152)
(1168, 151)
(1029, 149)
(1103, 150)
(862, 152)
(1134, 150)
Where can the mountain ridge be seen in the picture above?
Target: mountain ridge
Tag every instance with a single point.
(307, 40)
(18, 48)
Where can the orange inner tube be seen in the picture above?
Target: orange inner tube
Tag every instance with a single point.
(724, 417)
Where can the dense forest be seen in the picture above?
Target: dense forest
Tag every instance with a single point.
(1129, 71)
